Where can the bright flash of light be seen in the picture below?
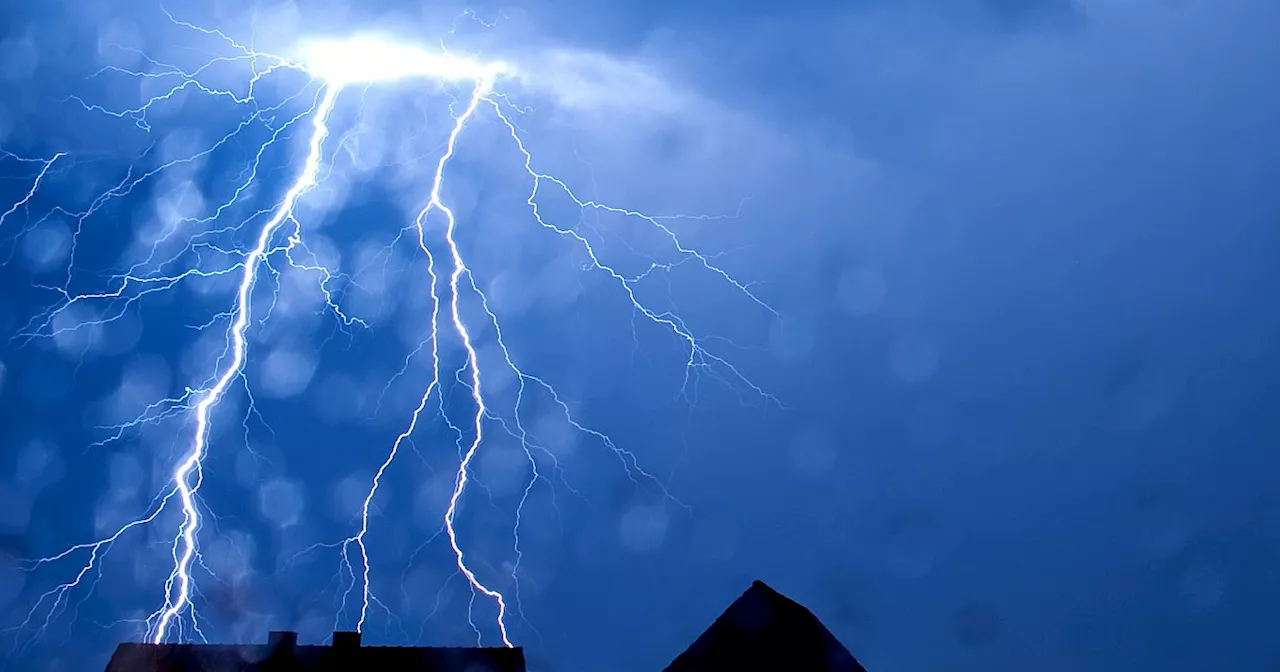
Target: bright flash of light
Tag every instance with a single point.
(276, 238)
(372, 58)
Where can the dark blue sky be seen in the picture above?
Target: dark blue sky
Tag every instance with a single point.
(1023, 251)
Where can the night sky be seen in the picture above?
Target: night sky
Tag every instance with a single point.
(983, 292)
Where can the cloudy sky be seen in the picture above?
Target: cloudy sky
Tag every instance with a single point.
(984, 342)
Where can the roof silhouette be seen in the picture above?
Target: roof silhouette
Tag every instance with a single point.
(762, 630)
(283, 654)
(765, 630)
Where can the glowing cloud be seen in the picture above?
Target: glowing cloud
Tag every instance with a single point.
(370, 58)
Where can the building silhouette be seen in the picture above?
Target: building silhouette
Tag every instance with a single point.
(761, 631)
(282, 653)
(765, 630)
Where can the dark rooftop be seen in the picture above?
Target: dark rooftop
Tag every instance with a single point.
(761, 631)
(282, 653)
(766, 631)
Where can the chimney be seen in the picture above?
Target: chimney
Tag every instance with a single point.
(282, 640)
(346, 640)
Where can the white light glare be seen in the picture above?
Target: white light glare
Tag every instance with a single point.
(374, 58)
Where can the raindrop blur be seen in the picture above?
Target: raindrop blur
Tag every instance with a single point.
(281, 502)
(504, 469)
(286, 373)
(814, 452)
(644, 528)
(1165, 524)
(247, 468)
(77, 331)
(930, 425)
(861, 291)
(15, 509)
(18, 58)
(1202, 587)
(557, 435)
(350, 494)
(125, 475)
(230, 554)
(338, 398)
(38, 465)
(914, 359)
(1142, 393)
(792, 340)
(714, 544)
(975, 624)
(12, 578)
(47, 246)
(911, 546)
(431, 500)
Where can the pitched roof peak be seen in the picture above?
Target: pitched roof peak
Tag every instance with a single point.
(766, 630)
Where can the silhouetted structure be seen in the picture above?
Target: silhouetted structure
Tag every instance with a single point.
(762, 631)
(766, 631)
(282, 653)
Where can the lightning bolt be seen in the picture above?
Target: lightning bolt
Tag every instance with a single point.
(45, 166)
(186, 483)
(331, 67)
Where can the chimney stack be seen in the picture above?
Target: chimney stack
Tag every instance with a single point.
(282, 640)
(346, 640)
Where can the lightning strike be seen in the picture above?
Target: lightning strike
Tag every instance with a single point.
(45, 166)
(333, 65)
(175, 602)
